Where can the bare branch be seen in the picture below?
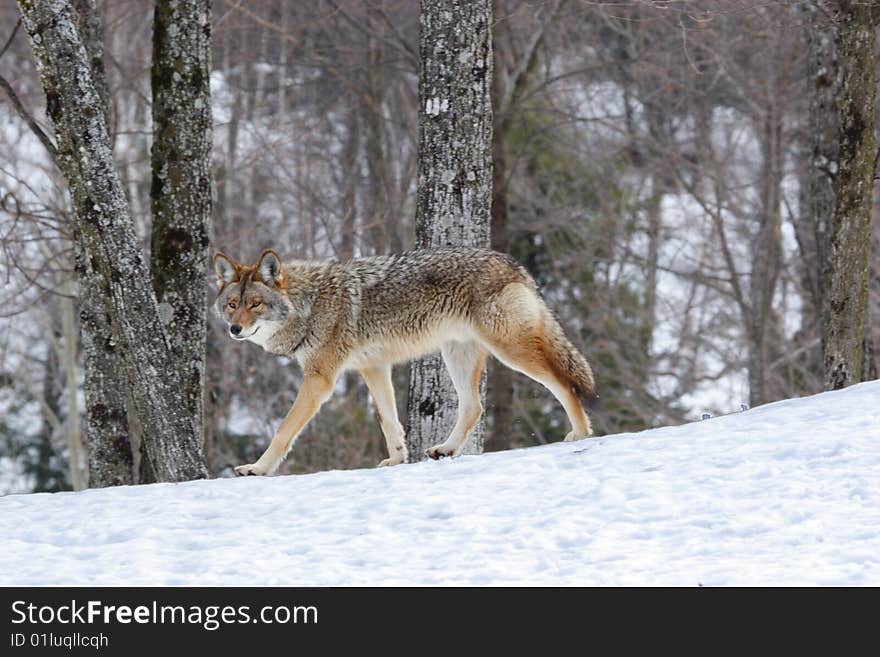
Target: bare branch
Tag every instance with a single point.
(19, 107)
(10, 39)
(516, 83)
(30, 120)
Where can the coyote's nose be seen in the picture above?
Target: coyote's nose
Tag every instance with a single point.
(235, 329)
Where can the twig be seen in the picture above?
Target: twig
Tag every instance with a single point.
(399, 43)
(20, 108)
(27, 118)
(11, 37)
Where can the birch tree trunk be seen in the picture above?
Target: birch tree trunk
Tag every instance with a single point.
(180, 193)
(454, 198)
(842, 57)
(106, 232)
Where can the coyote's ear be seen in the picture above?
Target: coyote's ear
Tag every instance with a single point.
(270, 268)
(225, 269)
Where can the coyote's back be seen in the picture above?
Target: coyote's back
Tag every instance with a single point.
(459, 293)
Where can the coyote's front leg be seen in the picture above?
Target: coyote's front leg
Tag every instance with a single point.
(314, 391)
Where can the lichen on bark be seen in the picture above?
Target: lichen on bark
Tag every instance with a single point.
(106, 418)
(106, 233)
(181, 184)
(844, 160)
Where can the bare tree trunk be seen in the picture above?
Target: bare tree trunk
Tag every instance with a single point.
(844, 154)
(382, 223)
(47, 467)
(181, 188)
(660, 134)
(500, 382)
(804, 352)
(805, 236)
(106, 232)
(824, 132)
(58, 320)
(349, 167)
(107, 425)
(79, 476)
(872, 337)
(348, 210)
(224, 167)
(454, 199)
(107, 422)
(845, 272)
(767, 257)
(92, 32)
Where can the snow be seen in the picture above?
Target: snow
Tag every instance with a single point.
(784, 494)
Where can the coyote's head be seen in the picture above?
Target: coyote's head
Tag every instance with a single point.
(252, 298)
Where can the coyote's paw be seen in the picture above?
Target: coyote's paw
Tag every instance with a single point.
(249, 469)
(439, 451)
(384, 463)
(574, 435)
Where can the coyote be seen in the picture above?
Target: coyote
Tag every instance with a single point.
(370, 313)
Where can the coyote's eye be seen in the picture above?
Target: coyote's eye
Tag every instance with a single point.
(231, 304)
(256, 304)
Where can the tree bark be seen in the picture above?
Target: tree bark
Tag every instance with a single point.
(767, 257)
(181, 188)
(454, 198)
(108, 239)
(107, 427)
(844, 153)
(107, 424)
(872, 333)
(824, 132)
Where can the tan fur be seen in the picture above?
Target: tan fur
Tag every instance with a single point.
(371, 313)
(378, 380)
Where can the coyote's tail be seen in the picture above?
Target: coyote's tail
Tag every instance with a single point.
(569, 363)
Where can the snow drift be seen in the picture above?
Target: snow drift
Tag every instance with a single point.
(784, 494)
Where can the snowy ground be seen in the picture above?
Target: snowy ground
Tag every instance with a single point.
(785, 494)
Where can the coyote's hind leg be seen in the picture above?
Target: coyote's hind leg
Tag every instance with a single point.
(531, 361)
(519, 331)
